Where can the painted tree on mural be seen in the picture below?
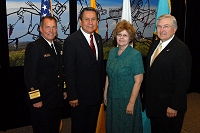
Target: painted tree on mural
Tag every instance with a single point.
(28, 16)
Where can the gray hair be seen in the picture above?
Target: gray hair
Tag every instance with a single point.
(172, 18)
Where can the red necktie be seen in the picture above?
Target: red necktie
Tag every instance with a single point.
(92, 44)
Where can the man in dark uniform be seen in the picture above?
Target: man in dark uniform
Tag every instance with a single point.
(43, 75)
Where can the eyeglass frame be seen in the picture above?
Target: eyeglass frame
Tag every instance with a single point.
(165, 27)
(122, 35)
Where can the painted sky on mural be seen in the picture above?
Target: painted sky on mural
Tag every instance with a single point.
(21, 26)
(154, 2)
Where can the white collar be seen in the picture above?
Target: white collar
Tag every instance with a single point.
(48, 42)
(85, 34)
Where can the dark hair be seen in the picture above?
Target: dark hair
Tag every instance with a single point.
(88, 9)
(125, 25)
(47, 17)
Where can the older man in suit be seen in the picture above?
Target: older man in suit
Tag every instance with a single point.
(43, 74)
(84, 72)
(168, 72)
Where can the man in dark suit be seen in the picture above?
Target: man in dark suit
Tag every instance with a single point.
(167, 78)
(43, 75)
(84, 73)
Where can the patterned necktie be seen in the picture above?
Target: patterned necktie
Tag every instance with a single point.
(158, 50)
(92, 44)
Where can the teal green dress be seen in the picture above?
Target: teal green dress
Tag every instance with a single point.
(121, 71)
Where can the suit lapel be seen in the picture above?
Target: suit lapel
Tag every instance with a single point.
(165, 51)
(99, 45)
(85, 45)
(58, 50)
(151, 50)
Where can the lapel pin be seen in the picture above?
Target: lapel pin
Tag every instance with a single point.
(47, 55)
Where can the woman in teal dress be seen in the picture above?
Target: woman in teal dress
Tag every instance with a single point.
(124, 77)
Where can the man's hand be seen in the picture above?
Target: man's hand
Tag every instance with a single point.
(171, 112)
(74, 103)
(64, 95)
(37, 105)
(105, 98)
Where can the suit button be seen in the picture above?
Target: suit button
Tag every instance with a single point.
(58, 85)
(58, 76)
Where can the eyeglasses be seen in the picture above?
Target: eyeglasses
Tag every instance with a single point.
(122, 35)
(165, 27)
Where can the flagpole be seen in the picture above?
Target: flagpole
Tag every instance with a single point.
(51, 8)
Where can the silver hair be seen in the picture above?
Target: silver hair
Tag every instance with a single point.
(172, 18)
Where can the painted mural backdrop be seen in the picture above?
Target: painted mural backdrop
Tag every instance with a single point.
(23, 21)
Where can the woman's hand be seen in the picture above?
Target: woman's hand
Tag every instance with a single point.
(105, 91)
(130, 108)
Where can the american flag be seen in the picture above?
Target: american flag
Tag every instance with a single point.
(45, 8)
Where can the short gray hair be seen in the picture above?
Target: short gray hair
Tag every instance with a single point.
(172, 18)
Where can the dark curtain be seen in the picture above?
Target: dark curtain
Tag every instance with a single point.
(189, 32)
(178, 11)
(5, 100)
(192, 40)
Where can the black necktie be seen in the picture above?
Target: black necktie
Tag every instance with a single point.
(52, 47)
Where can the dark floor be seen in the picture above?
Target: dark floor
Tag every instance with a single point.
(66, 128)
(191, 122)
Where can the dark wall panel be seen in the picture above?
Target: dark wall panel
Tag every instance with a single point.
(192, 40)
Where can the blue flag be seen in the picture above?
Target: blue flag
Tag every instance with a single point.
(45, 8)
(164, 7)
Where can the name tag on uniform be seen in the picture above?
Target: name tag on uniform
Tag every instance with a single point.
(34, 94)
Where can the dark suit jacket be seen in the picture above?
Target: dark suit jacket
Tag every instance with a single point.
(43, 70)
(168, 78)
(84, 74)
